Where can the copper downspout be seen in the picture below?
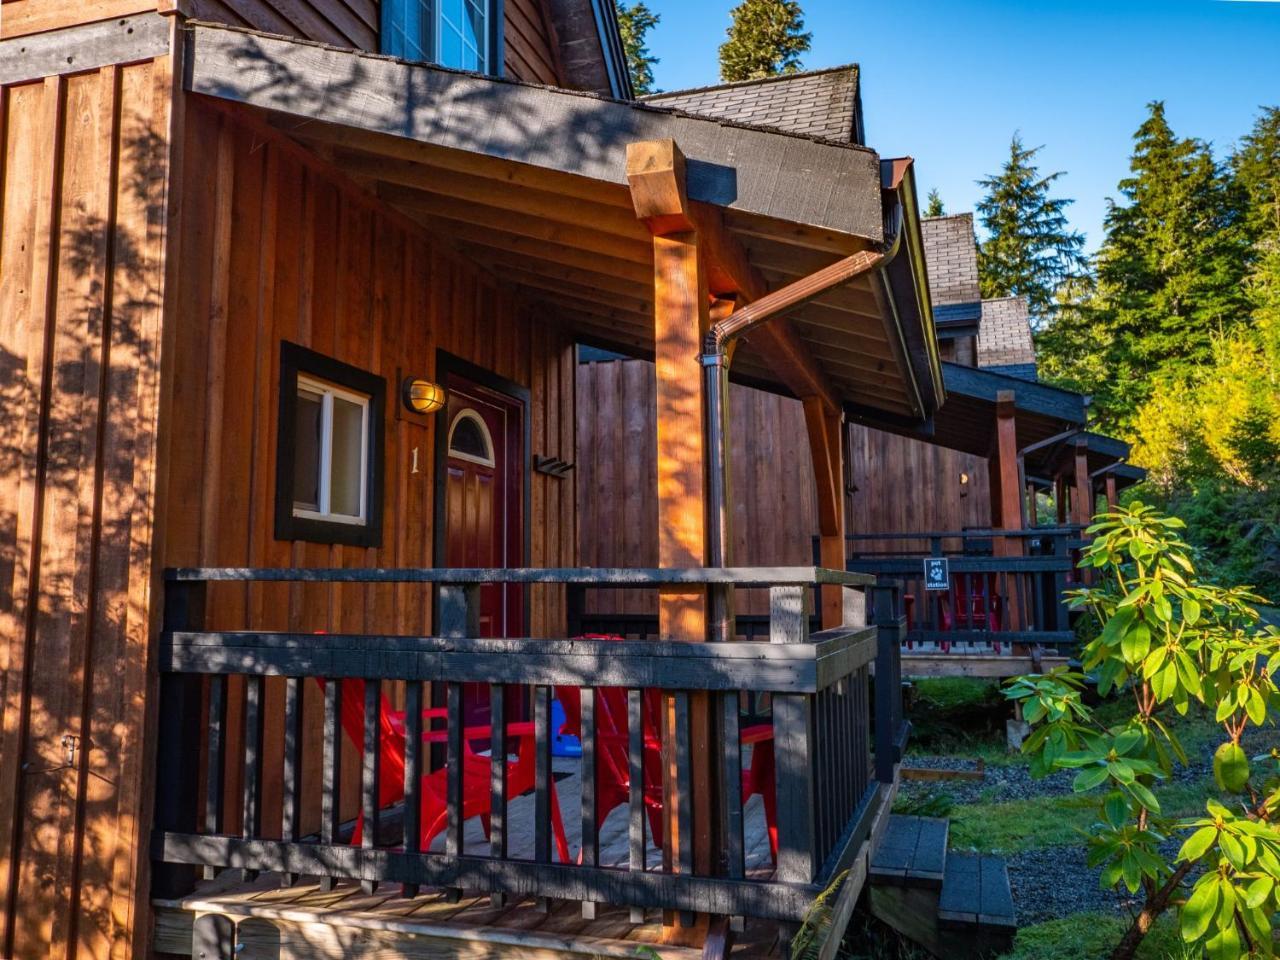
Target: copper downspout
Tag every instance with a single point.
(715, 365)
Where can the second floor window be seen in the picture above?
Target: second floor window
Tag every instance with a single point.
(452, 33)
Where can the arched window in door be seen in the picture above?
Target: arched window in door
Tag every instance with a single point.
(469, 439)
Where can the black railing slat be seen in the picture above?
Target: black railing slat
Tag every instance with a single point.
(454, 738)
(216, 761)
(498, 771)
(291, 772)
(542, 785)
(590, 847)
(731, 776)
(413, 771)
(251, 818)
(331, 769)
(371, 772)
(635, 774)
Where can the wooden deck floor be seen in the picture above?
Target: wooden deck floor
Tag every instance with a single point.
(303, 921)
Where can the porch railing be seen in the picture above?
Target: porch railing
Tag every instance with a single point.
(827, 789)
(997, 594)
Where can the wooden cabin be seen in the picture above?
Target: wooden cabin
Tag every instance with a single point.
(968, 485)
(290, 292)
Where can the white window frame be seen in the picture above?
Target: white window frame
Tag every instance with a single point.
(328, 392)
(438, 28)
(492, 459)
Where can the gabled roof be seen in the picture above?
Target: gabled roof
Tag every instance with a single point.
(820, 103)
(952, 256)
(1004, 337)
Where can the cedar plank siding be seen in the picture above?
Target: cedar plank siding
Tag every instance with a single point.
(83, 193)
(274, 250)
(530, 45)
(903, 484)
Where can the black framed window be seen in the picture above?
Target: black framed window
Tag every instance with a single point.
(463, 34)
(329, 460)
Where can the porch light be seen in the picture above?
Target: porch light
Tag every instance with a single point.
(422, 396)
(964, 484)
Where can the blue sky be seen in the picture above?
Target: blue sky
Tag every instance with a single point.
(949, 82)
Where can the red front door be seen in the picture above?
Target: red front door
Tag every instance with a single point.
(484, 504)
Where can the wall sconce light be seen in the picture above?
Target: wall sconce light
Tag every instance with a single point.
(964, 484)
(422, 396)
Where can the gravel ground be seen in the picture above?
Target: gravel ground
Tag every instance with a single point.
(999, 784)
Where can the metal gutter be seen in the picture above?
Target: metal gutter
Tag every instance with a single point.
(716, 353)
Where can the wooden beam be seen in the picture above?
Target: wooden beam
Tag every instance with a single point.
(79, 46)
(1006, 486)
(974, 665)
(532, 251)
(826, 448)
(536, 226)
(795, 362)
(378, 147)
(556, 207)
(604, 283)
(1113, 497)
(656, 174)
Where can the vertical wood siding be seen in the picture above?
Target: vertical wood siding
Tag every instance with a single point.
(82, 187)
(903, 484)
(910, 486)
(273, 250)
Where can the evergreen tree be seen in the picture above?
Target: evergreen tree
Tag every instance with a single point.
(1029, 249)
(933, 205)
(634, 23)
(1256, 167)
(765, 39)
(1171, 267)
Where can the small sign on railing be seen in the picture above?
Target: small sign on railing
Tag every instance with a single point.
(936, 574)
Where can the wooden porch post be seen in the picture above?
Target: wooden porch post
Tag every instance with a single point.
(826, 447)
(1006, 507)
(655, 171)
(1082, 506)
(1006, 489)
(1113, 496)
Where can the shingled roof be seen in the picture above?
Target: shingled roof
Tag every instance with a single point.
(820, 103)
(1004, 337)
(951, 255)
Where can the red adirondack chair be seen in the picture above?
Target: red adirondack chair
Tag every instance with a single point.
(476, 796)
(613, 769)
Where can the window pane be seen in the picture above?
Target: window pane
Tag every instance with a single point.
(470, 440)
(348, 457)
(450, 25)
(306, 451)
(473, 32)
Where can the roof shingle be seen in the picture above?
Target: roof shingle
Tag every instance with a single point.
(821, 103)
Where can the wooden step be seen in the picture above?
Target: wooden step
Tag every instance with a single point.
(912, 853)
(975, 893)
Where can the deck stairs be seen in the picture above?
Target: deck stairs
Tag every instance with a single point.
(952, 904)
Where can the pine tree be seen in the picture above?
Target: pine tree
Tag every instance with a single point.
(933, 205)
(1171, 267)
(634, 23)
(1030, 248)
(1256, 168)
(765, 39)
